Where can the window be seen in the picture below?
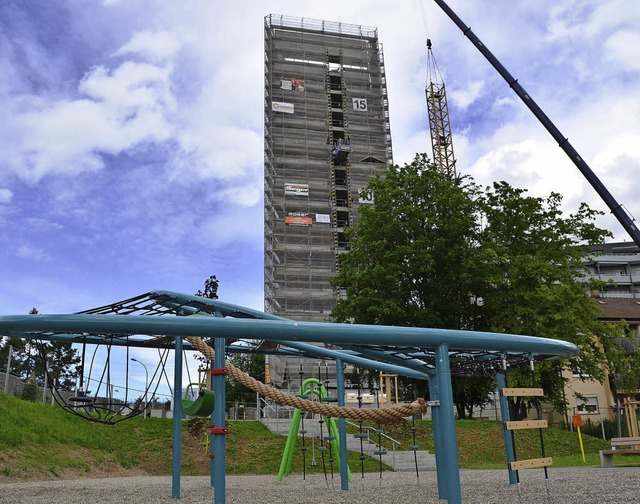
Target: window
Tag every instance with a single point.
(589, 404)
(578, 372)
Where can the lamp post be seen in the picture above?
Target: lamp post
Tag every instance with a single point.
(146, 384)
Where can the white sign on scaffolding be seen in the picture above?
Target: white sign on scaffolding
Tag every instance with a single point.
(365, 196)
(287, 108)
(291, 189)
(359, 104)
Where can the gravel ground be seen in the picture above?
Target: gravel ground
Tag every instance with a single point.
(591, 485)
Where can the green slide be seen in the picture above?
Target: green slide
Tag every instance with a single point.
(320, 391)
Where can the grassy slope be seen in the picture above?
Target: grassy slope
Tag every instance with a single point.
(41, 441)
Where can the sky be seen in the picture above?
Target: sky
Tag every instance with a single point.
(131, 131)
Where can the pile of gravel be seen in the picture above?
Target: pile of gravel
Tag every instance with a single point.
(590, 485)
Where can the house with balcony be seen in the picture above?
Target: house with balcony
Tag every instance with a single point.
(618, 265)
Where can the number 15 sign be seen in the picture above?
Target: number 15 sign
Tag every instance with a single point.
(360, 104)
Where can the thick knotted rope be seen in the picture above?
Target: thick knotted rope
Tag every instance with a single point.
(392, 414)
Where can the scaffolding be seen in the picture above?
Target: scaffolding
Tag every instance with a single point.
(326, 133)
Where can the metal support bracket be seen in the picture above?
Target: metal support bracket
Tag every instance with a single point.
(218, 371)
(433, 404)
(219, 430)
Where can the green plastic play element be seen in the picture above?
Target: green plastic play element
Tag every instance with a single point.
(310, 386)
(202, 406)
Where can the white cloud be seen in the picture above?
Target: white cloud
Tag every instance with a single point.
(225, 152)
(463, 97)
(623, 49)
(120, 108)
(239, 225)
(153, 46)
(5, 195)
(32, 253)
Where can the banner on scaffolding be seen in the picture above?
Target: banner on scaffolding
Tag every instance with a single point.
(292, 84)
(298, 219)
(323, 218)
(287, 108)
(293, 189)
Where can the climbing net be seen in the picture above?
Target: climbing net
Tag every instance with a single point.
(393, 414)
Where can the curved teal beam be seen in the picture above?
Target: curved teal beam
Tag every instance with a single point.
(286, 330)
(176, 299)
(411, 363)
(356, 360)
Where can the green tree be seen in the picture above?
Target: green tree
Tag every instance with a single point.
(414, 258)
(398, 270)
(29, 391)
(28, 360)
(533, 283)
(470, 392)
(18, 354)
(252, 364)
(436, 251)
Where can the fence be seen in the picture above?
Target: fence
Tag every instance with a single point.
(13, 385)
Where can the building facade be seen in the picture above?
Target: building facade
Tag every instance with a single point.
(617, 264)
(326, 133)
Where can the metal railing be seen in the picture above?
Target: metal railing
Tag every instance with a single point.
(372, 441)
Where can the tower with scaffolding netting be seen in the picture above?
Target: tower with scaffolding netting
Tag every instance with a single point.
(326, 134)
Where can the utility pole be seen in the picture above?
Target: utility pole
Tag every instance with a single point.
(146, 385)
(6, 376)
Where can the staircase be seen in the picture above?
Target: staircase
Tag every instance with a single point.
(398, 459)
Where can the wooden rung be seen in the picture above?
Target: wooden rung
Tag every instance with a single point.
(522, 392)
(526, 424)
(530, 464)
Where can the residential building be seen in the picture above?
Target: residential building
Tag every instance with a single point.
(618, 264)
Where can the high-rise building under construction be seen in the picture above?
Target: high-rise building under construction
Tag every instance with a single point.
(326, 133)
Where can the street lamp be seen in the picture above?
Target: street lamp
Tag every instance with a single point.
(146, 384)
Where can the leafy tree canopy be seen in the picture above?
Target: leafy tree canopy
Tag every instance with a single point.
(437, 251)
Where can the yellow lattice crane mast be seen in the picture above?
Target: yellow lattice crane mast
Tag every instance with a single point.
(439, 124)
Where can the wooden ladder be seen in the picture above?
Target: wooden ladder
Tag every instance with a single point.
(516, 465)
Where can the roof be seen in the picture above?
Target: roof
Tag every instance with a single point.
(619, 308)
(615, 248)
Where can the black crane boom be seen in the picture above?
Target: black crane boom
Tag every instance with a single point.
(618, 211)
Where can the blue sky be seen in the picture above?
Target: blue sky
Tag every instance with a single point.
(131, 130)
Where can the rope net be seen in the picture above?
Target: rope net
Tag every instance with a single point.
(393, 414)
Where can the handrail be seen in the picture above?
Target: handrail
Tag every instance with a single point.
(275, 409)
(369, 428)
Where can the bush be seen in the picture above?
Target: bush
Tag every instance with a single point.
(29, 392)
(594, 429)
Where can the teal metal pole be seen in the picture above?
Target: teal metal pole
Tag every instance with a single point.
(287, 330)
(351, 358)
(448, 425)
(219, 436)
(342, 428)
(177, 420)
(211, 447)
(441, 470)
(508, 440)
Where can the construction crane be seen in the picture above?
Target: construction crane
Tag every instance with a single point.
(439, 124)
(616, 208)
